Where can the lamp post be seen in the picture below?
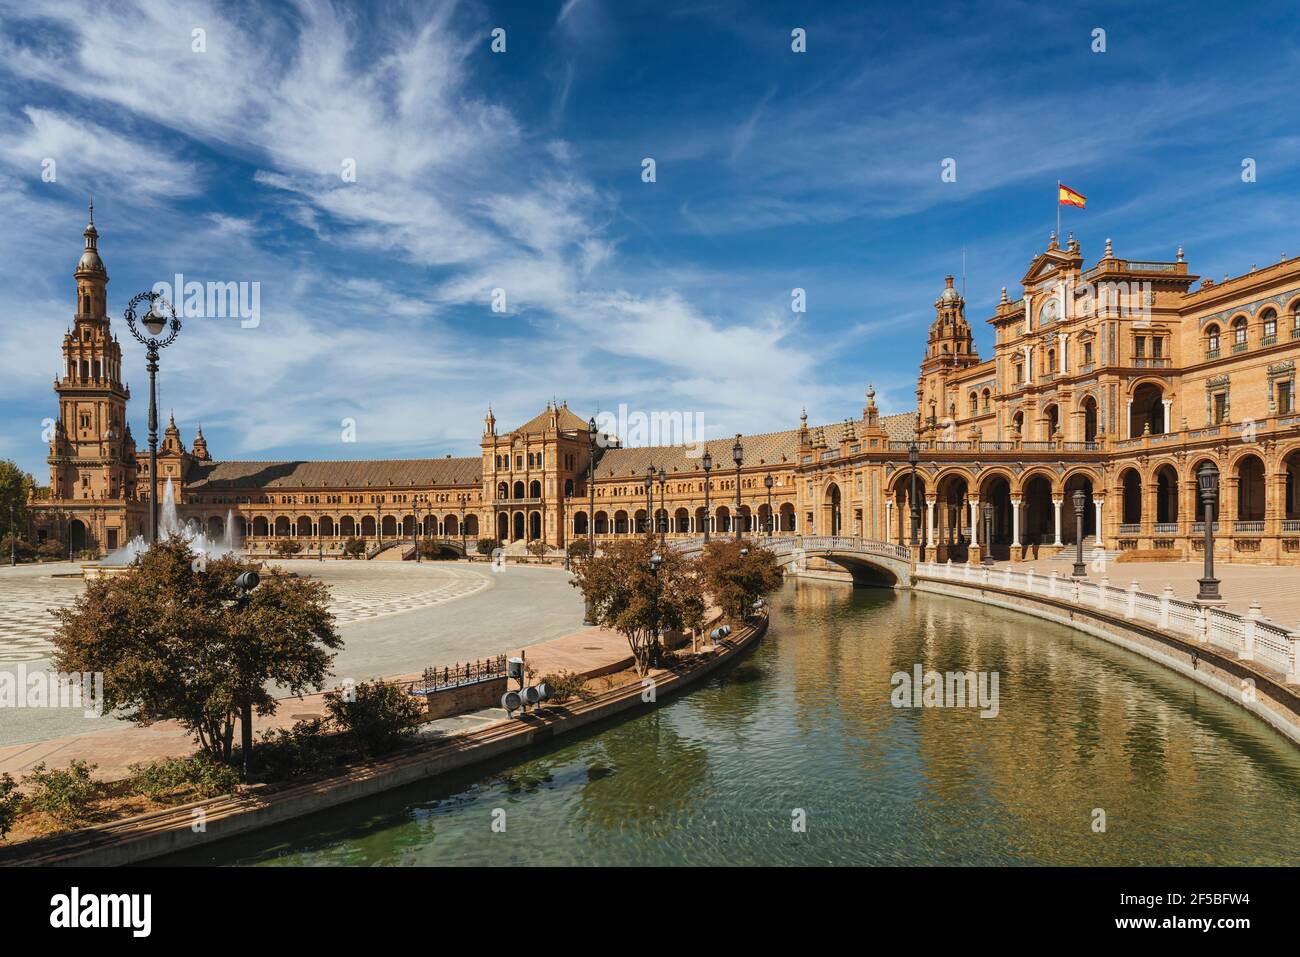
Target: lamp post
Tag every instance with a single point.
(155, 320)
(663, 517)
(588, 612)
(1080, 503)
(655, 561)
(379, 523)
(913, 456)
(708, 515)
(649, 498)
(245, 583)
(13, 538)
(738, 455)
(1207, 477)
(771, 519)
(988, 534)
(416, 502)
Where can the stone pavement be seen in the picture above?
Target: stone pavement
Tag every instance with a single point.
(112, 751)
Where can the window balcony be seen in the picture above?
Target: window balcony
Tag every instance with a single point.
(1212, 353)
(1239, 347)
(1249, 526)
(1268, 340)
(1166, 528)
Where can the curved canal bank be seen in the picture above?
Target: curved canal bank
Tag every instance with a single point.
(802, 729)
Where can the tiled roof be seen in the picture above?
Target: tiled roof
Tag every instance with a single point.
(768, 448)
(566, 421)
(381, 473)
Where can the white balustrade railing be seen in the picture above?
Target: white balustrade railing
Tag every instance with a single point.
(1249, 636)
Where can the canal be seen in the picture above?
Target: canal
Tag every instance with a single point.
(795, 755)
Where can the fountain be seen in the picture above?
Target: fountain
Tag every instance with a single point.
(169, 524)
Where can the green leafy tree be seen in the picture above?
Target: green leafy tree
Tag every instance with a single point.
(627, 596)
(9, 804)
(354, 547)
(578, 548)
(487, 545)
(376, 715)
(172, 643)
(15, 487)
(284, 547)
(63, 794)
(536, 548)
(737, 574)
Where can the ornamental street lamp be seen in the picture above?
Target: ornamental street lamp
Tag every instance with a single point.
(155, 321)
(655, 561)
(771, 519)
(1080, 502)
(245, 582)
(738, 455)
(988, 534)
(588, 611)
(1207, 477)
(649, 498)
(416, 502)
(913, 456)
(663, 516)
(13, 538)
(708, 516)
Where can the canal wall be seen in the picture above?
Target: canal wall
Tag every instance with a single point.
(1256, 688)
(182, 828)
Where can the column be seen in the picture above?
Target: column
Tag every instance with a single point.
(1060, 348)
(1128, 418)
(889, 518)
(1169, 425)
(974, 520)
(929, 520)
(1015, 523)
(1101, 539)
(1056, 510)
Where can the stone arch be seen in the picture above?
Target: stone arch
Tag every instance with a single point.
(788, 517)
(1251, 487)
(1147, 407)
(471, 526)
(503, 527)
(621, 526)
(832, 509)
(1191, 477)
(368, 526)
(518, 490)
(1167, 490)
(326, 526)
(534, 526)
(517, 526)
(261, 527)
(389, 526)
(283, 527)
(534, 489)
(602, 523)
(580, 522)
(347, 526)
(681, 521)
(1130, 489)
(214, 528)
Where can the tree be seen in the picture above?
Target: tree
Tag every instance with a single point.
(486, 546)
(536, 548)
(734, 580)
(630, 598)
(354, 547)
(377, 715)
(284, 547)
(578, 548)
(15, 488)
(172, 643)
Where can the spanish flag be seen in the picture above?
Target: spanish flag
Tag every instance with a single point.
(1068, 197)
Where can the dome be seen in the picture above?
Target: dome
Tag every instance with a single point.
(90, 262)
(949, 294)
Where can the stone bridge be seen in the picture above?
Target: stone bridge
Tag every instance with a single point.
(870, 562)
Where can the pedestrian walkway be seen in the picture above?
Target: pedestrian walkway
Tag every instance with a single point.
(589, 650)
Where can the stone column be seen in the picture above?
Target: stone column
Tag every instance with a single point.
(1015, 523)
(974, 519)
(889, 519)
(929, 520)
(1168, 425)
(1101, 538)
(1056, 516)
(1128, 419)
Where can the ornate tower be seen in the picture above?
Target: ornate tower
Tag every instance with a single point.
(92, 454)
(951, 347)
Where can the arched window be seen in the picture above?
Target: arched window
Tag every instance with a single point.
(1239, 334)
(986, 400)
(974, 403)
(1269, 318)
(1211, 341)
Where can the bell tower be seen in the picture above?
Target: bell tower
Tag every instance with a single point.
(951, 347)
(92, 454)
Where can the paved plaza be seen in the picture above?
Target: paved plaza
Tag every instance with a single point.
(395, 618)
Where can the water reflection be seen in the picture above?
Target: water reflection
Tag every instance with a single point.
(804, 724)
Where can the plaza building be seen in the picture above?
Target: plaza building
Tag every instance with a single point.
(1119, 380)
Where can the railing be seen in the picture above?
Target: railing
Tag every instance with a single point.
(834, 543)
(1166, 528)
(1132, 528)
(1291, 524)
(1082, 446)
(457, 676)
(1038, 446)
(997, 446)
(1250, 637)
(1248, 526)
(1198, 528)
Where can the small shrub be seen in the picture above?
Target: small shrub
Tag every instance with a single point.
(63, 795)
(578, 548)
(566, 685)
(50, 549)
(354, 547)
(284, 547)
(9, 801)
(377, 718)
(486, 546)
(536, 548)
(182, 778)
(305, 750)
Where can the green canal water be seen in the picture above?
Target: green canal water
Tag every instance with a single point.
(802, 729)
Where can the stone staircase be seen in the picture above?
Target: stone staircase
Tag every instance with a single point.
(1067, 553)
(396, 552)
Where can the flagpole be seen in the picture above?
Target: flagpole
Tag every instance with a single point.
(1058, 210)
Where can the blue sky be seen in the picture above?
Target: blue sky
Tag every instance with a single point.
(522, 171)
